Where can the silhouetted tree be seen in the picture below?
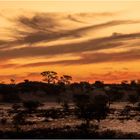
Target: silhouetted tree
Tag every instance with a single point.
(101, 106)
(88, 109)
(12, 81)
(49, 76)
(99, 84)
(83, 108)
(26, 81)
(85, 86)
(66, 79)
(124, 82)
(133, 84)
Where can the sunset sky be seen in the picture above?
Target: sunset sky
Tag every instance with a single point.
(89, 40)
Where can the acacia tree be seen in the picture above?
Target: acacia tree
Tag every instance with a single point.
(66, 79)
(49, 76)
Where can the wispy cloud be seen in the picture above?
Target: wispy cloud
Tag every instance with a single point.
(93, 58)
(72, 48)
(6, 66)
(45, 27)
(47, 34)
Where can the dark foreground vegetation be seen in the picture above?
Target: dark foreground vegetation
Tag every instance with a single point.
(78, 112)
(67, 133)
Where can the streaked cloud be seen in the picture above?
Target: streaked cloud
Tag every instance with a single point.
(112, 41)
(93, 58)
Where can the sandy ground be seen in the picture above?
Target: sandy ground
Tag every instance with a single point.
(131, 125)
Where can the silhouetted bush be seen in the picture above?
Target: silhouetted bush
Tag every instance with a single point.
(3, 121)
(87, 108)
(18, 119)
(65, 106)
(10, 94)
(53, 114)
(31, 105)
(133, 98)
(16, 107)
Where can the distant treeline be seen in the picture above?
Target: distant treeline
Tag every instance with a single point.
(62, 86)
